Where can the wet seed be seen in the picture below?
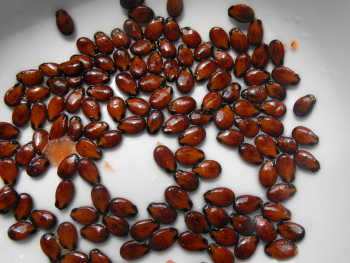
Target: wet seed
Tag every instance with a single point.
(95, 233)
(242, 65)
(67, 235)
(122, 59)
(91, 109)
(246, 247)
(8, 131)
(241, 13)
(255, 32)
(292, 231)
(247, 126)
(132, 125)
(31, 77)
(43, 219)
(143, 229)
(230, 137)
(59, 127)
(71, 67)
(216, 216)
(203, 51)
(64, 194)
(166, 48)
(109, 139)
(132, 250)
(189, 155)
(264, 229)
(55, 107)
(75, 128)
(281, 249)
(155, 63)
(74, 100)
(280, 192)
(88, 171)
(8, 148)
(226, 236)
(122, 207)
(96, 256)
(86, 60)
(285, 76)
(260, 56)
(246, 204)
(268, 173)
(120, 39)
(306, 160)
(192, 136)
(74, 81)
(220, 196)
(275, 212)
(250, 154)
(219, 80)
(133, 29)
(245, 108)
(40, 140)
(287, 144)
(224, 117)
(64, 22)
(274, 108)
(256, 77)
(304, 105)
(105, 63)
(174, 7)
(21, 114)
(190, 37)
(20, 230)
(155, 120)
(270, 125)
(211, 102)
(184, 56)
(231, 93)
(208, 169)
(88, 149)
(37, 166)
(197, 117)
(276, 52)
(50, 246)
(160, 98)
(37, 93)
(186, 180)
(95, 76)
(243, 224)
(116, 226)
(286, 167)
(177, 198)
(205, 70)
(182, 105)
(138, 67)
(75, 256)
(68, 166)
(275, 90)
(219, 253)
(141, 14)
(100, 198)
(23, 207)
(130, 4)
(219, 38)
(14, 95)
(171, 29)
(176, 124)
(154, 28)
(86, 46)
(223, 59)
(171, 69)
(255, 94)
(142, 47)
(8, 198)
(185, 80)
(163, 239)
(38, 115)
(103, 42)
(84, 215)
(162, 212)
(50, 69)
(95, 129)
(192, 241)
(238, 40)
(304, 135)
(57, 85)
(266, 146)
(116, 108)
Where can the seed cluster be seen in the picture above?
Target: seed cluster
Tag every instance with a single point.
(250, 110)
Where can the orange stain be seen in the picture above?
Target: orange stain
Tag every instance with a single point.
(294, 45)
(108, 166)
(170, 261)
(58, 149)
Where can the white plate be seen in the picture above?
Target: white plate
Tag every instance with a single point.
(29, 37)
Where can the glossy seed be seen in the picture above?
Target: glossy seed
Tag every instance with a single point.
(211, 102)
(23, 207)
(40, 140)
(189, 155)
(67, 235)
(75, 256)
(88, 149)
(95, 233)
(21, 230)
(238, 40)
(205, 70)
(216, 216)
(255, 94)
(103, 42)
(95, 129)
(184, 56)
(304, 135)
(287, 144)
(268, 173)
(141, 14)
(155, 63)
(264, 229)
(274, 108)
(275, 90)
(127, 84)
(56, 107)
(31, 77)
(84, 215)
(75, 128)
(171, 29)
(286, 167)
(224, 117)
(190, 37)
(223, 59)
(260, 56)
(219, 80)
(64, 194)
(220, 196)
(304, 105)
(37, 93)
(105, 63)
(226, 236)
(186, 180)
(245, 109)
(275, 212)
(95, 76)
(281, 192)
(143, 229)
(197, 117)
(154, 28)
(116, 108)
(43, 219)
(8, 171)
(96, 256)
(177, 198)
(37, 166)
(250, 154)
(246, 247)
(109, 139)
(71, 67)
(14, 95)
(281, 249)
(116, 226)
(246, 204)
(160, 98)
(203, 51)
(91, 109)
(138, 67)
(171, 69)
(276, 52)
(220, 253)
(163, 239)
(270, 125)
(247, 126)
(243, 224)
(192, 241)
(255, 32)
(21, 114)
(50, 246)
(285, 76)
(242, 65)
(133, 29)
(57, 85)
(208, 169)
(266, 146)
(8, 198)
(290, 230)
(120, 39)
(256, 77)
(64, 22)
(132, 125)
(86, 60)
(230, 137)
(74, 81)
(241, 13)
(68, 166)
(59, 128)
(100, 198)
(122, 207)
(192, 136)
(231, 93)
(154, 122)
(132, 250)
(185, 80)
(166, 48)
(182, 105)
(174, 7)
(219, 38)
(162, 212)
(50, 69)
(176, 124)
(142, 47)
(306, 160)
(88, 171)
(130, 4)
(8, 148)
(122, 59)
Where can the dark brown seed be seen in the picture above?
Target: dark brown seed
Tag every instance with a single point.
(71, 67)
(238, 40)
(268, 173)
(40, 140)
(154, 121)
(37, 93)
(292, 231)
(8, 148)
(250, 154)
(230, 137)
(57, 85)
(133, 29)
(190, 37)
(100, 198)
(109, 139)
(91, 109)
(264, 229)
(166, 48)
(68, 166)
(287, 144)
(103, 42)
(245, 108)
(260, 56)
(122, 59)
(274, 108)
(182, 105)
(96, 256)
(207, 169)
(155, 63)
(306, 160)
(231, 93)
(21, 114)
(117, 226)
(163, 239)
(116, 108)
(220, 196)
(270, 125)
(224, 117)
(138, 67)
(59, 127)
(162, 212)
(9, 171)
(246, 204)
(132, 125)
(219, 38)
(184, 56)
(304, 135)
(160, 98)
(275, 90)
(8, 198)
(88, 170)
(170, 69)
(266, 146)
(189, 155)
(185, 80)
(171, 29)
(14, 95)
(43, 219)
(177, 198)
(286, 167)
(216, 216)
(255, 94)
(95, 76)
(204, 70)
(141, 14)
(192, 241)
(255, 32)
(285, 76)
(86, 60)
(21, 230)
(154, 28)
(219, 253)
(126, 83)
(247, 126)
(143, 229)
(211, 102)
(37, 166)
(242, 65)
(74, 81)
(276, 52)
(122, 207)
(64, 194)
(50, 246)
(75, 128)
(67, 235)
(120, 39)
(243, 224)
(75, 256)
(23, 207)
(192, 136)
(186, 180)
(203, 51)
(256, 77)
(130, 4)
(241, 13)
(95, 233)
(84, 215)
(176, 124)
(138, 106)
(280, 192)
(50, 69)
(246, 247)
(31, 77)
(105, 63)
(219, 80)
(142, 47)
(197, 117)
(281, 249)
(64, 22)
(174, 7)
(226, 236)
(304, 105)
(132, 250)
(55, 107)
(275, 212)
(223, 59)
(74, 99)
(88, 149)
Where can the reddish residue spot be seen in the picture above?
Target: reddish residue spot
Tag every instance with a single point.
(170, 261)
(108, 166)
(58, 149)
(294, 45)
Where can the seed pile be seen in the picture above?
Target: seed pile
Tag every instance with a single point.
(253, 110)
